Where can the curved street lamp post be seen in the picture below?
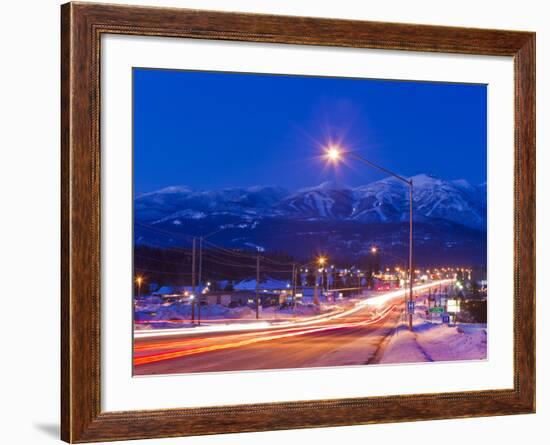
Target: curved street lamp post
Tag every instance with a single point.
(334, 154)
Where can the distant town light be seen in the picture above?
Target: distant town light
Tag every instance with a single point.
(373, 249)
(453, 306)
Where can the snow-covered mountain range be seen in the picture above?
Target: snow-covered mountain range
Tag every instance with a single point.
(384, 201)
(450, 219)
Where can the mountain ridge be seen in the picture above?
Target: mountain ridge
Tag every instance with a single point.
(385, 200)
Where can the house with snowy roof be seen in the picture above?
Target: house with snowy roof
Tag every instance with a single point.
(268, 285)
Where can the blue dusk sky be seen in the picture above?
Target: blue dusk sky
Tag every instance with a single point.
(210, 130)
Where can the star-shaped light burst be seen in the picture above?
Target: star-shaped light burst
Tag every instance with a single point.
(333, 153)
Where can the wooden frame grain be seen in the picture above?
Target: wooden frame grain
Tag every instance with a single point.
(82, 25)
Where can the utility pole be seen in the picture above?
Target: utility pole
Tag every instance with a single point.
(334, 155)
(200, 260)
(410, 250)
(200, 278)
(316, 289)
(193, 282)
(294, 287)
(257, 285)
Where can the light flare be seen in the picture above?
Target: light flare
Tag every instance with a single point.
(333, 153)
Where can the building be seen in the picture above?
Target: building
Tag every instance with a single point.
(269, 285)
(386, 281)
(169, 292)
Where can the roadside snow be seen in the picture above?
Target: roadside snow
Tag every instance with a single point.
(176, 315)
(460, 342)
(403, 348)
(436, 342)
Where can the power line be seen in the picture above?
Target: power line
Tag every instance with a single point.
(212, 258)
(249, 256)
(177, 263)
(160, 271)
(165, 232)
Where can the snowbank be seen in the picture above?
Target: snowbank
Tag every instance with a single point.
(177, 315)
(436, 342)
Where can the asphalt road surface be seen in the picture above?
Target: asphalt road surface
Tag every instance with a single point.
(353, 340)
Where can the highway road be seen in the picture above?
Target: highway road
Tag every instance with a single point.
(354, 338)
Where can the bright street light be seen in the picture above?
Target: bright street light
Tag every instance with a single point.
(334, 154)
(139, 280)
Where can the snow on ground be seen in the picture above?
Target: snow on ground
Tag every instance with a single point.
(166, 315)
(402, 348)
(436, 342)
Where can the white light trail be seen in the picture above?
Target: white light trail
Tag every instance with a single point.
(376, 301)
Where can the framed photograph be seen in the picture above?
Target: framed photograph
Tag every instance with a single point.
(275, 222)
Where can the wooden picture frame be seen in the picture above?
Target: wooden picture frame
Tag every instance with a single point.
(82, 26)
